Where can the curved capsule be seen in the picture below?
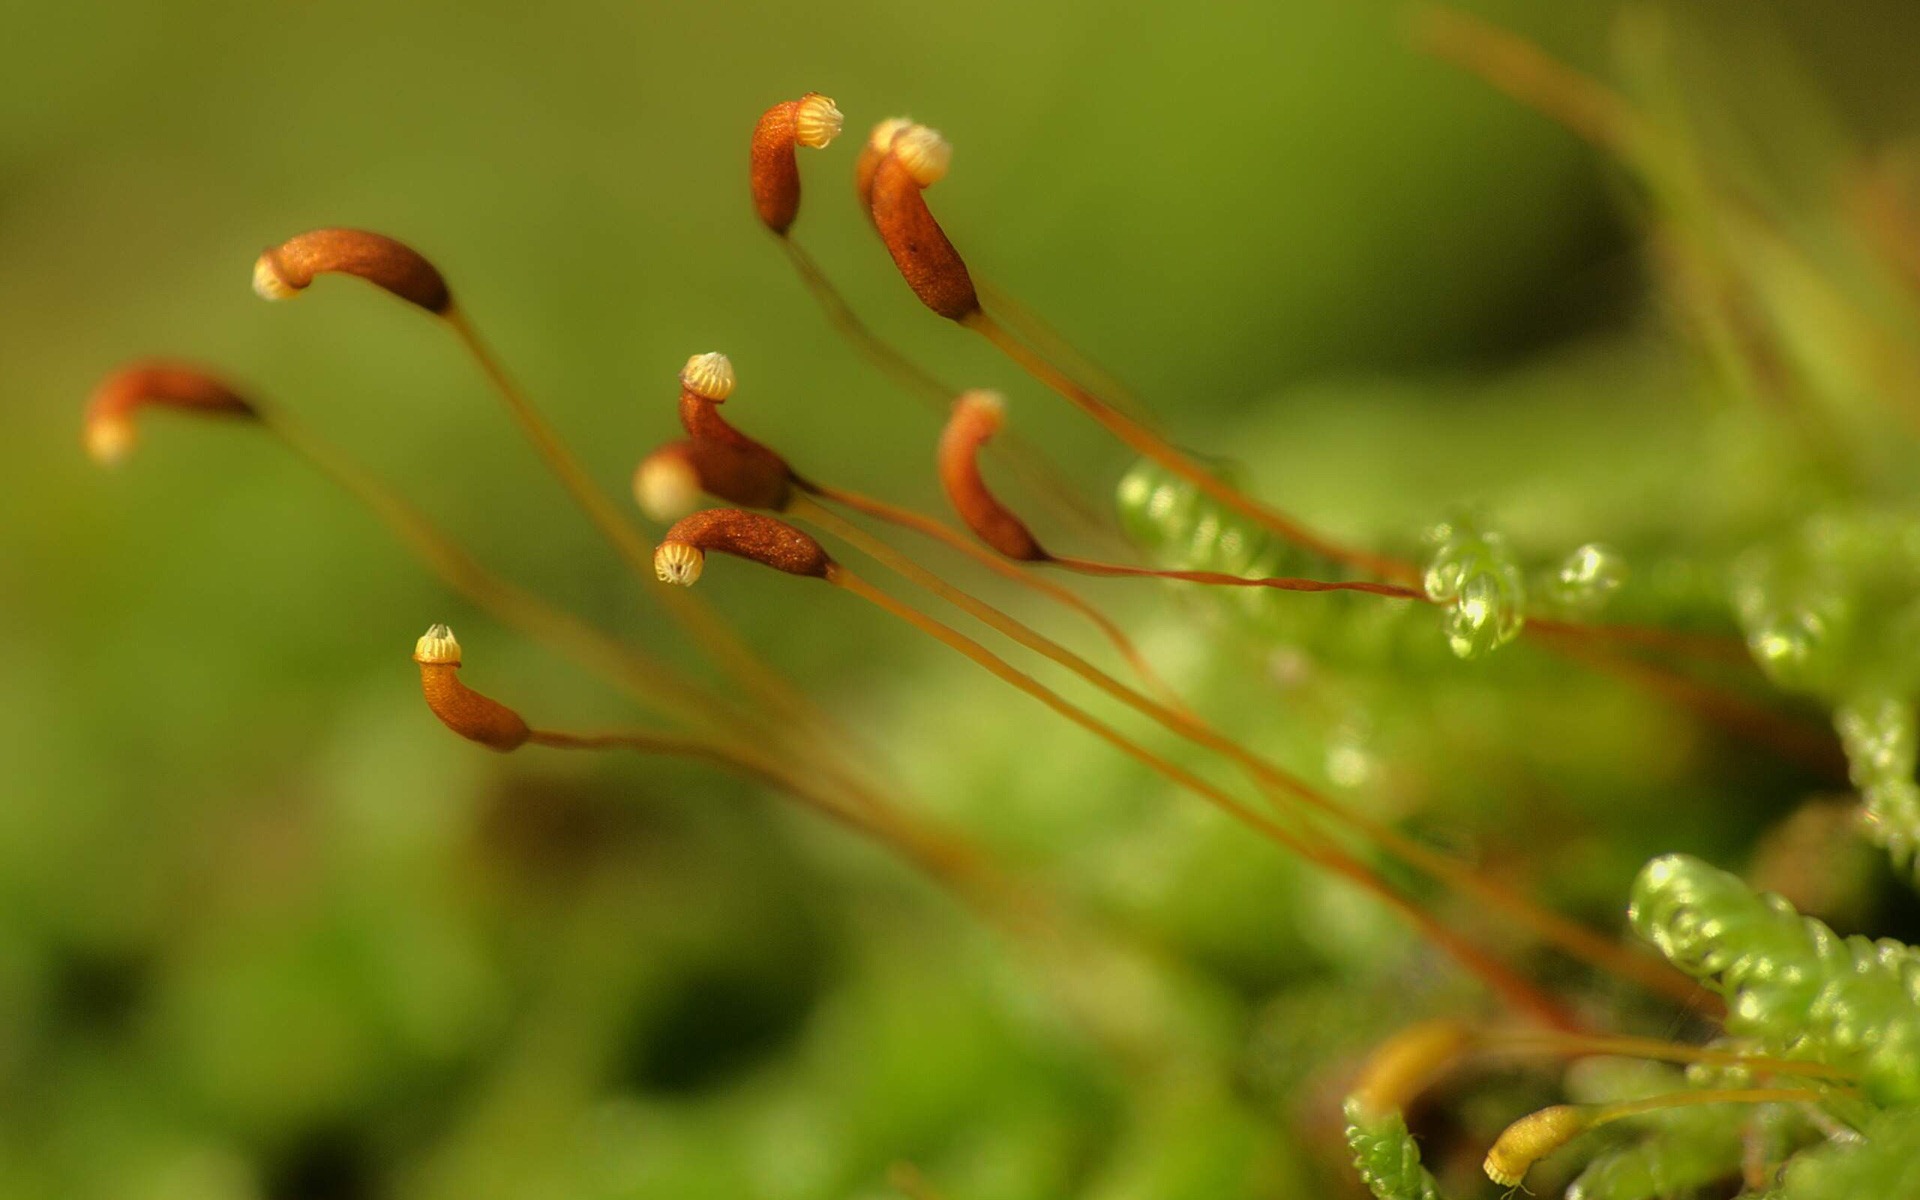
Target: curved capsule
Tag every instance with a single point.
(751, 536)
(729, 464)
(875, 148)
(927, 260)
(286, 270)
(109, 430)
(1531, 1139)
(773, 172)
(977, 416)
(461, 709)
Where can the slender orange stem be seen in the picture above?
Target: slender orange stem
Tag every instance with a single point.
(705, 626)
(1569, 935)
(953, 539)
(1038, 332)
(1222, 579)
(657, 686)
(652, 682)
(1813, 748)
(945, 856)
(1528, 74)
(1144, 441)
(1033, 469)
(1515, 991)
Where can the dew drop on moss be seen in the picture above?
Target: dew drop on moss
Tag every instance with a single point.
(1475, 576)
(1586, 579)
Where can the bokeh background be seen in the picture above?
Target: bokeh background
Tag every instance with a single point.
(267, 930)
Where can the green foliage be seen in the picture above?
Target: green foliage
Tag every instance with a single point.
(1832, 608)
(1883, 1165)
(262, 905)
(1791, 983)
(1182, 527)
(1879, 735)
(1387, 1157)
(1683, 1150)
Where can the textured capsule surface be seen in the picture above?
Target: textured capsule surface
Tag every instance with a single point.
(925, 257)
(773, 175)
(924, 152)
(753, 536)
(1531, 1139)
(879, 142)
(816, 121)
(437, 645)
(391, 265)
(709, 376)
(678, 563)
(977, 416)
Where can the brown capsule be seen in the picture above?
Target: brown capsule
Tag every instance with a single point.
(812, 121)
(750, 476)
(762, 539)
(109, 430)
(730, 465)
(977, 416)
(668, 482)
(285, 270)
(461, 709)
(871, 152)
(931, 266)
(705, 383)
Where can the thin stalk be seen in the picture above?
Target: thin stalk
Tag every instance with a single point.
(1816, 750)
(1515, 991)
(1053, 944)
(945, 857)
(1633, 1108)
(656, 685)
(705, 626)
(953, 539)
(1530, 76)
(1036, 473)
(1038, 332)
(1144, 441)
(890, 360)
(1569, 935)
(1084, 566)
(1576, 1045)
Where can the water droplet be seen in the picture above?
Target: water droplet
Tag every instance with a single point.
(1587, 579)
(1474, 574)
(1798, 619)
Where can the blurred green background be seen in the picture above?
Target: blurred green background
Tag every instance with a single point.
(267, 930)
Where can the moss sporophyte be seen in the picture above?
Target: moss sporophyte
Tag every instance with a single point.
(1807, 1023)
